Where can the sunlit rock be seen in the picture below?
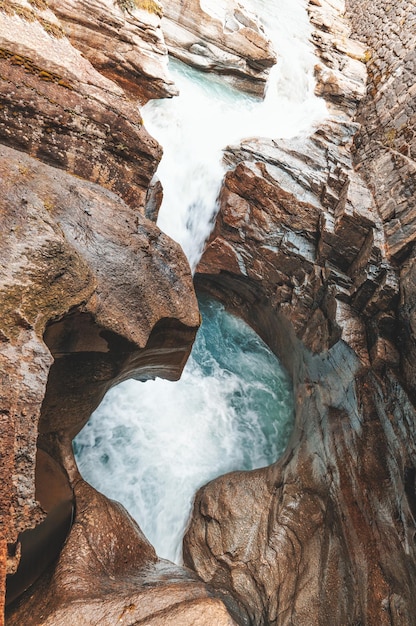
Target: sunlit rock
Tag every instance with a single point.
(123, 40)
(326, 535)
(221, 39)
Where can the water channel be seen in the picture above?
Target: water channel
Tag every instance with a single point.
(152, 445)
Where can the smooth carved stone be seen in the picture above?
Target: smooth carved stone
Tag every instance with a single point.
(295, 542)
(57, 107)
(108, 573)
(126, 45)
(407, 313)
(113, 294)
(40, 546)
(326, 534)
(234, 46)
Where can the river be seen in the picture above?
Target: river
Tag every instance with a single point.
(151, 445)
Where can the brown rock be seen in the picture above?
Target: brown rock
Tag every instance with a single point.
(122, 41)
(40, 546)
(109, 312)
(107, 572)
(237, 49)
(326, 534)
(68, 115)
(295, 542)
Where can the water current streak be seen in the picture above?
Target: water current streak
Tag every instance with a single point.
(208, 115)
(152, 445)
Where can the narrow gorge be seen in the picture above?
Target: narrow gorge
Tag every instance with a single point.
(310, 242)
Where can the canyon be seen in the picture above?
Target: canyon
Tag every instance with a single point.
(312, 246)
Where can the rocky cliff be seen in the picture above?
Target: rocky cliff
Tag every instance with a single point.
(91, 292)
(229, 42)
(313, 246)
(305, 249)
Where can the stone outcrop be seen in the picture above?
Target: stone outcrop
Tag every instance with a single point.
(67, 114)
(300, 250)
(386, 143)
(385, 147)
(91, 292)
(79, 261)
(123, 40)
(233, 45)
(307, 248)
(107, 557)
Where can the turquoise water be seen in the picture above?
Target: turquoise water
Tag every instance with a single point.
(152, 445)
(195, 127)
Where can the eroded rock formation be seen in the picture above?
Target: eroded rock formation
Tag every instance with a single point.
(301, 250)
(67, 114)
(307, 247)
(233, 45)
(91, 292)
(123, 40)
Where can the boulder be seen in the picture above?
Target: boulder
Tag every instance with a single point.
(122, 40)
(233, 45)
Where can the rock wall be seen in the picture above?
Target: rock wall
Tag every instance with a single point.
(313, 246)
(301, 250)
(386, 145)
(91, 292)
(123, 41)
(233, 45)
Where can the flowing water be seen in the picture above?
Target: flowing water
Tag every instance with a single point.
(151, 445)
(208, 115)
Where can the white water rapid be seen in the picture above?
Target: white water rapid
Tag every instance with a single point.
(208, 115)
(151, 445)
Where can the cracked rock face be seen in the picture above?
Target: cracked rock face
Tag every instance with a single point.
(122, 41)
(234, 46)
(326, 535)
(91, 292)
(67, 114)
(304, 248)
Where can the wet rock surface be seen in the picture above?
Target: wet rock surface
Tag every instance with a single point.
(56, 107)
(122, 41)
(235, 47)
(91, 292)
(313, 246)
(300, 250)
(108, 573)
(77, 261)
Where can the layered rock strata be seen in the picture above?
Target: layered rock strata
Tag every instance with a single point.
(123, 40)
(385, 147)
(67, 114)
(327, 534)
(91, 292)
(232, 45)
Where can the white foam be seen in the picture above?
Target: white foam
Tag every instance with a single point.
(196, 126)
(152, 445)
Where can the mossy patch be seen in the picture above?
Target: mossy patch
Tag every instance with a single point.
(389, 137)
(39, 4)
(32, 68)
(367, 56)
(56, 280)
(151, 6)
